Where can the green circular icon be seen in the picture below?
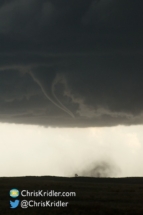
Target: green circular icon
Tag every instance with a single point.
(14, 193)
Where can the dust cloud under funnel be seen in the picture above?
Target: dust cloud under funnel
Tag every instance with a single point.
(101, 169)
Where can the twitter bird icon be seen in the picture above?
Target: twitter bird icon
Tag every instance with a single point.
(14, 204)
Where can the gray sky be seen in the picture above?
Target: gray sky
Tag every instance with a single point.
(71, 66)
(34, 150)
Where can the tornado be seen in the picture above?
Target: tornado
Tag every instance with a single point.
(48, 89)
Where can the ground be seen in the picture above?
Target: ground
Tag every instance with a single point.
(100, 196)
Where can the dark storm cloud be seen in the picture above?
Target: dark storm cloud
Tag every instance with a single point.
(71, 63)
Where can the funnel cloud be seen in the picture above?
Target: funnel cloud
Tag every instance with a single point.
(49, 89)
